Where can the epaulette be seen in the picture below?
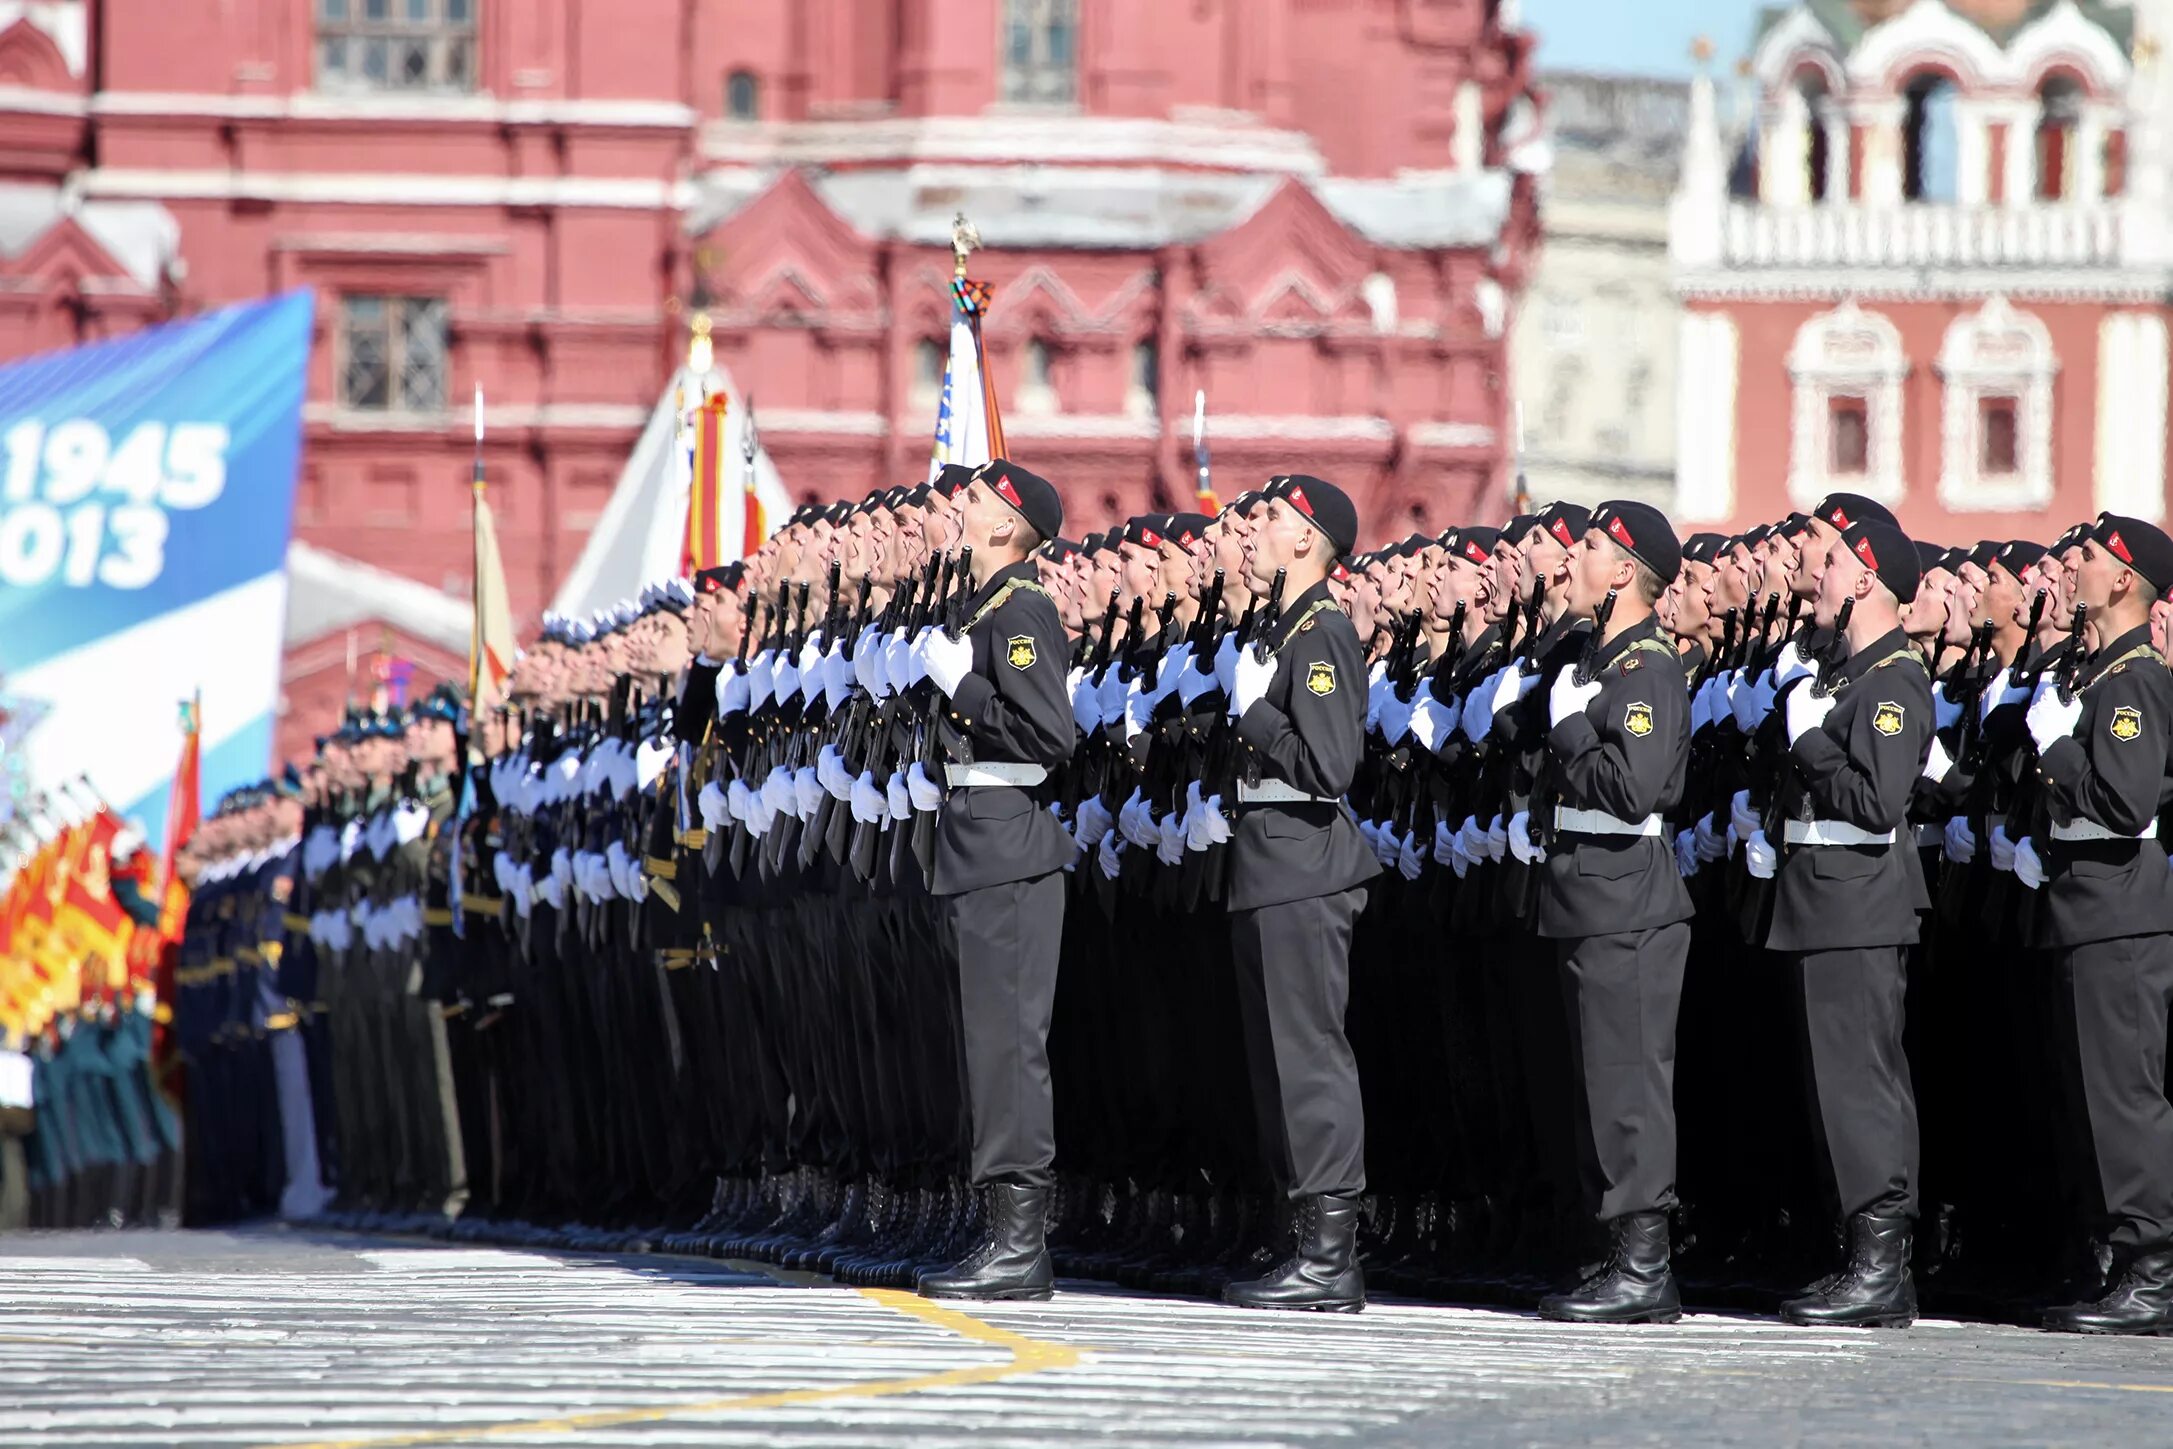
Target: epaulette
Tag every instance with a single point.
(1305, 620)
(996, 600)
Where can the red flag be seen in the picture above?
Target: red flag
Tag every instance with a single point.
(705, 498)
(184, 800)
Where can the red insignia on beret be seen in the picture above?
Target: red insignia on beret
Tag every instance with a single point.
(1298, 501)
(1840, 518)
(1009, 494)
(1863, 551)
(1620, 532)
(1475, 553)
(2120, 550)
(1561, 531)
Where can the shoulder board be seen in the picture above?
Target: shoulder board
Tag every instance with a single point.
(1305, 620)
(2140, 651)
(996, 600)
(1897, 657)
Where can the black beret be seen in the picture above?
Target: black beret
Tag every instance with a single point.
(950, 478)
(1060, 550)
(1643, 532)
(718, 580)
(1703, 547)
(1843, 509)
(1476, 544)
(1887, 552)
(1031, 494)
(1790, 526)
(1185, 528)
(1931, 556)
(1517, 526)
(1755, 536)
(1987, 549)
(2017, 555)
(1245, 502)
(1566, 521)
(1327, 507)
(2142, 546)
(1091, 544)
(2071, 539)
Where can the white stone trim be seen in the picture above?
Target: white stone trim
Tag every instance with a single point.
(1116, 426)
(1996, 352)
(497, 418)
(1239, 144)
(44, 103)
(1450, 435)
(389, 107)
(1847, 352)
(356, 188)
(2064, 34)
(1705, 407)
(1251, 427)
(1909, 284)
(1926, 31)
(820, 420)
(1796, 37)
(2130, 455)
(64, 22)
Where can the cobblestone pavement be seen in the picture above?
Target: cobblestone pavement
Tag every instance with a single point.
(273, 1337)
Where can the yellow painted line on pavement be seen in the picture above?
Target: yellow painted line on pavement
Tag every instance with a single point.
(2091, 1384)
(1028, 1355)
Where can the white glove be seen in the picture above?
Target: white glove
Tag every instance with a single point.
(2029, 868)
(711, 804)
(830, 770)
(1197, 679)
(925, 793)
(2002, 690)
(1938, 762)
(1711, 841)
(1377, 689)
(838, 672)
(1568, 697)
(1946, 713)
(1086, 702)
(1499, 692)
(1395, 717)
(785, 678)
(1686, 853)
(1960, 841)
(1759, 856)
(868, 663)
(1253, 678)
(1740, 816)
(807, 792)
(1094, 820)
(739, 801)
(898, 659)
(1477, 717)
(1701, 707)
(1743, 701)
(761, 680)
(1384, 843)
(1791, 665)
(732, 693)
(2003, 849)
(947, 660)
(897, 801)
(1106, 856)
(2049, 719)
(1114, 691)
(1806, 712)
(1444, 842)
(1471, 836)
(868, 801)
(1432, 722)
(1497, 839)
(409, 822)
(1408, 859)
(1226, 662)
(1521, 844)
(1197, 833)
(1170, 838)
(1135, 822)
(916, 660)
(1139, 708)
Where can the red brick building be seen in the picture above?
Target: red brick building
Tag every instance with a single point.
(1937, 274)
(1319, 210)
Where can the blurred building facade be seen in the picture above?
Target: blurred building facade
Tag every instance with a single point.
(1322, 213)
(1938, 273)
(1595, 339)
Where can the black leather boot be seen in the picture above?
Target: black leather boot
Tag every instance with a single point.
(1324, 1273)
(1635, 1286)
(1013, 1259)
(1874, 1290)
(2141, 1302)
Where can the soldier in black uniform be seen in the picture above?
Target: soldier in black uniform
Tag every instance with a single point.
(2106, 916)
(1298, 869)
(1847, 888)
(999, 861)
(1614, 905)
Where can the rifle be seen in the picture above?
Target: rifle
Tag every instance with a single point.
(955, 623)
(2071, 667)
(1588, 661)
(2029, 634)
(1151, 675)
(1716, 660)
(1097, 660)
(1830, 661)
(1270, 616)
(1528, 646)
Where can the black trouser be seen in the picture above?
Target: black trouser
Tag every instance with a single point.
(1293, 987)
(2113, 999)
(1009, 938)
(1863, 1108)
(1622, 993)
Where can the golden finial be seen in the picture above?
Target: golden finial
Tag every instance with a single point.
(1701, 49)
(701, 352)
(965, 240)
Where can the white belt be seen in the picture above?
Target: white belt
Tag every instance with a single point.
(1834, 832)
(1599, 822)
(960, 777)
(1278, 792)
(2091, 830)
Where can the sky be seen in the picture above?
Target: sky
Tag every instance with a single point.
(1638, 37)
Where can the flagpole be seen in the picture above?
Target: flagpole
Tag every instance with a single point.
(965, 240)
(475, 559)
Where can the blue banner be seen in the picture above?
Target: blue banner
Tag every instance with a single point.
(146, 499)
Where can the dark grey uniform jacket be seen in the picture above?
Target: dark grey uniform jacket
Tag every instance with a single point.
(1859, 767)
(1626, 754)
(1012, 709)
(1309, 731)
(2109, 771)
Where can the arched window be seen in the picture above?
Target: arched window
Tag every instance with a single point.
(1037, 388)
(742, 96)
(1931, 141)
(2059, 119)
(1143, 390)
(1997, 366)
(928, 361)
(1041, 52)
(1847, 367)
